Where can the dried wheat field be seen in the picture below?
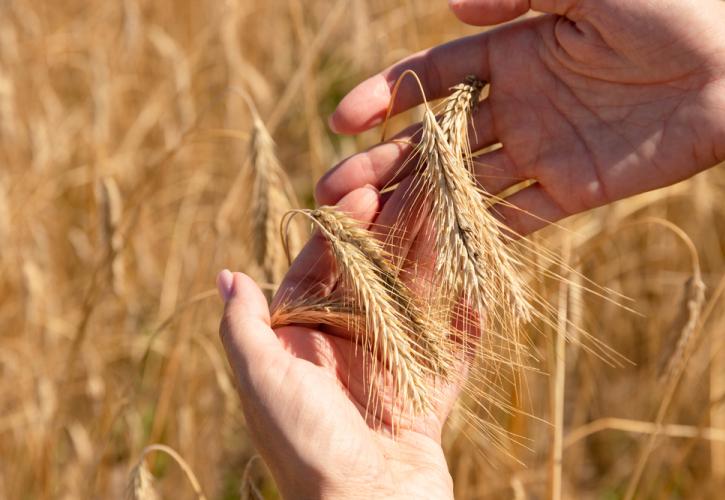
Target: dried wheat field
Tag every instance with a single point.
(127, 133)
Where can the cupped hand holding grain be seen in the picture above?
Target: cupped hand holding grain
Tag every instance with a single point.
(304, 397)
(596, 100)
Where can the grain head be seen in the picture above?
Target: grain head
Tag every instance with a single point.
(385, 319)
(473, 262)
(272, 196)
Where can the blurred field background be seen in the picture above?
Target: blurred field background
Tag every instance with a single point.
(122, 139)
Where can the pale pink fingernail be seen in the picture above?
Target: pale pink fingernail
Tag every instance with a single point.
(225, 284)
(331, 123)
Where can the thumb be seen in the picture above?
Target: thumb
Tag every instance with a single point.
(488, 12)
(248, 340)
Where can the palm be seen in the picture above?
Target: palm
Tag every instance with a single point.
(595, 122)
(321, 399)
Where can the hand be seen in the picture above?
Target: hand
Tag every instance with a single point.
(304, 398)
(597, 101)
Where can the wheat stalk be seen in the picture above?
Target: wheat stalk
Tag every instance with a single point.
(373, 303)
(693, 303)
(272, 197)
(473, 262)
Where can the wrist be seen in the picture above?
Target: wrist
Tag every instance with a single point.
(412, 470)
(440, 488)
(416, 468)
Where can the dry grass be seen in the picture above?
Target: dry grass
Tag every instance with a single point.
(144, 93)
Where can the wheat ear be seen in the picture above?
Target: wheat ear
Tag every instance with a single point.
(272, 197)
(473, 262)
(376, 306)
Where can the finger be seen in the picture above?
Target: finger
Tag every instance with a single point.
(379, 166)
(438, 68)
(496, 172)
(529, 210)
(313, 271)
(490, 12)
(387, 163)
(244, 330)
(487, 12)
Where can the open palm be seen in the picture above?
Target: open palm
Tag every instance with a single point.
(304, 395)
(598, 101)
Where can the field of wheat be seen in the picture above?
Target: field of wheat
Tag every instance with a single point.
(125, 138)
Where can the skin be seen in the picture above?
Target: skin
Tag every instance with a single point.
(595, 101)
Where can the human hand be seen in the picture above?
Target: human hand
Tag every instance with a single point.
(304, 396)
(597, 101)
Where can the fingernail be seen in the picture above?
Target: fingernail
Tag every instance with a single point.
(225, 284)
(331, 123)
(372, 189)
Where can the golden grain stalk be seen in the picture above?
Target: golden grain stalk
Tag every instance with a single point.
(473, 262)
(377, 308)
(272, 197)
